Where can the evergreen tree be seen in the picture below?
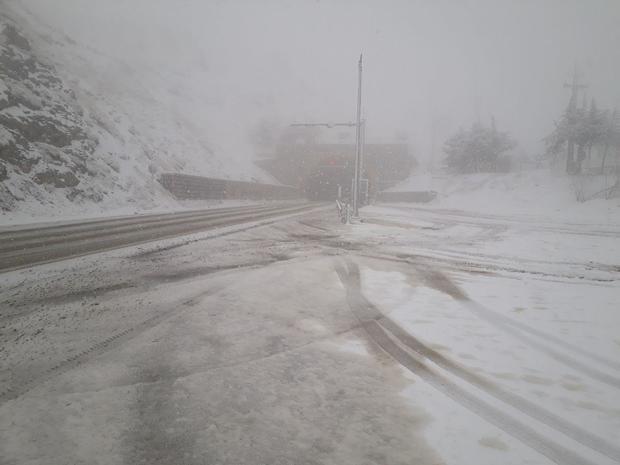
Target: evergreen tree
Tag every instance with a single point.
(477, 150)
(581, 128)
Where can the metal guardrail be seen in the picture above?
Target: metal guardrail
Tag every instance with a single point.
(188, 187)
(411, 196)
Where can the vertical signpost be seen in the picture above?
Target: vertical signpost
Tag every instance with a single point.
(358, 143)
(360, 138)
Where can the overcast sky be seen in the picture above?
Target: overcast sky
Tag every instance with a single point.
(427, 63)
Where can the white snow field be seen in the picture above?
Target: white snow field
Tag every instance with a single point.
(519, 286)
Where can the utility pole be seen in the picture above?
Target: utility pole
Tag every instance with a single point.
(575, 86)
(358, 143)
(360, 136)
(362, 145)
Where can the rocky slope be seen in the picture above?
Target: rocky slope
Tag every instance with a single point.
(81, 132)
(45, 141)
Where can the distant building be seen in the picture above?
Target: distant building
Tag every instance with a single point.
(304, 159)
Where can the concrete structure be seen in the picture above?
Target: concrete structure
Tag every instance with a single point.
(318, 168)
(184, 186)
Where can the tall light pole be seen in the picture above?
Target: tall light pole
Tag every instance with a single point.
(358, 143)
(575, 86)
(360, 137)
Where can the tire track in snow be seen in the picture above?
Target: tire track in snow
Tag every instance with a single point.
(511, 326)
(439, 281)
(449, 216)
(505, 322)
(22, 386)
(469, 265)
(514, 330)
(383, 331)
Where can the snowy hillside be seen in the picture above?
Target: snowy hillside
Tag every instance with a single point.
(82, 132)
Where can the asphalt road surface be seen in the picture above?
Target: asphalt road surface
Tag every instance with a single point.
(33, 245)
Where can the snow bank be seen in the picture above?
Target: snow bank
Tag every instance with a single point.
(539, 193)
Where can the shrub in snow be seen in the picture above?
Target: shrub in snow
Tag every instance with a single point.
(480, 149)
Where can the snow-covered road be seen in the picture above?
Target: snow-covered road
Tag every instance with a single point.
(421, 336)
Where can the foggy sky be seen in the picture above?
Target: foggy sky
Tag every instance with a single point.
(428, 63)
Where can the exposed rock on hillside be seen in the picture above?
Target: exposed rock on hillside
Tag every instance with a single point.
(85, 132)
(44, 139)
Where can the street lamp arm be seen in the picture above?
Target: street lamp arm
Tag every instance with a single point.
(327, 125)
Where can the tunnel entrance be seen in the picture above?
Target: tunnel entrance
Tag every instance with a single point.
(325, 182)
(310, 160)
